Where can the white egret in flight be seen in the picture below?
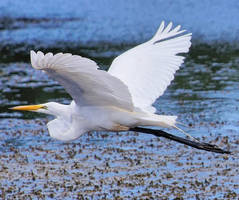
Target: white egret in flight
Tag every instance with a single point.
(120, 99)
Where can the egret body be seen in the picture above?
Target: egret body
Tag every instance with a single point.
(116, 100)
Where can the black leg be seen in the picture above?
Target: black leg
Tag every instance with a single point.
(198, 145)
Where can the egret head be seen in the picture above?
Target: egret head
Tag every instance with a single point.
(51, 108)
(61, 128)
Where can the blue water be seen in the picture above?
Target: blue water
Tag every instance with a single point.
(85, 22)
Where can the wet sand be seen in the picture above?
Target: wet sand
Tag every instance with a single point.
(125, 165)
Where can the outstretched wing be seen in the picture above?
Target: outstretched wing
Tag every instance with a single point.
(149, 68)
(83, 81)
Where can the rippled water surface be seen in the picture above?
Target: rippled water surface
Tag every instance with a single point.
(204, 95)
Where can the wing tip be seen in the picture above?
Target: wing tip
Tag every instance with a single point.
(165, 32)
(33, 59)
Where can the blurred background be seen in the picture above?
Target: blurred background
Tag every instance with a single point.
(204, 94)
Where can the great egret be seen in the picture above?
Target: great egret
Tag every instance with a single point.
(120, 99)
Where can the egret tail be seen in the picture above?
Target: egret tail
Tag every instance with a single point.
(166, 121)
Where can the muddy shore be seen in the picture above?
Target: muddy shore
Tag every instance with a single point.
(114, 166)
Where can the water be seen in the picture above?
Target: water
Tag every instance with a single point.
(204, 95)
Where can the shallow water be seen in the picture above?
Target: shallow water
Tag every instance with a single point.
(204, 95)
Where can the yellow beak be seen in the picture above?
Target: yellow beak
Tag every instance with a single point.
(28, 108)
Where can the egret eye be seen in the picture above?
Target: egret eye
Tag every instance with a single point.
(44, 107)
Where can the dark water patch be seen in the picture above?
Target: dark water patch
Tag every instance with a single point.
(8, 23)
(216, 51)
(199, 52)
(97, 51)
(21, 85)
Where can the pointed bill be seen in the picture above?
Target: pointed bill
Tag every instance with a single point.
(28, 107)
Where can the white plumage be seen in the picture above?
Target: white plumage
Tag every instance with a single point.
(83, 81)
(149, 68)
(116, 100)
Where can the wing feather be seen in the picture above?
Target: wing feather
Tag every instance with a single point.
(148, 69)
(83, 81)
